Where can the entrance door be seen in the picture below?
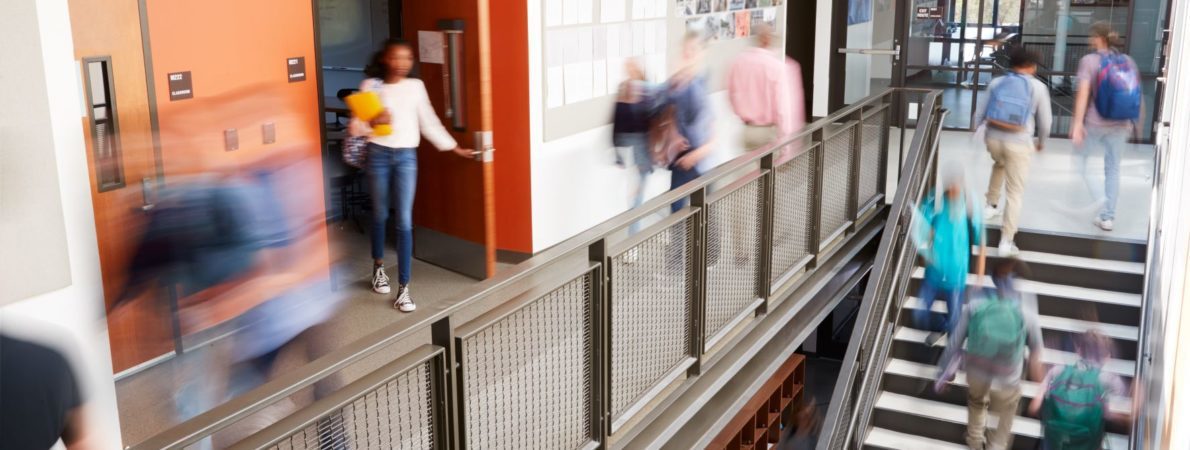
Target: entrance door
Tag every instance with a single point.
(867, 47)
(123, 167)
(453, 213)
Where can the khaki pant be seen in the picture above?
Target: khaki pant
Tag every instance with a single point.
(758, 136)
(982, 399)
(1011, 165)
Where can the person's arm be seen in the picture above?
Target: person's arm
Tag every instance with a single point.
(1082, 97)
(1114, 387)
(981, 107)
(77, 432)
(431, 127)
(1042, 388)
(797, 97)
(1044, 117)
(1036, 345)
(954, 347)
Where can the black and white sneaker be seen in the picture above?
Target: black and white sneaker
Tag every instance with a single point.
(380, 280)
(404, 301)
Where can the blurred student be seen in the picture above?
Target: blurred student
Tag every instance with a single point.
(765, 90)
(1074, 399)
(40, 399)
(630, 128)
(997, 329)
(1109, 80)
(693, 120)
(949, 227)
(1018, 118)
(392, 158)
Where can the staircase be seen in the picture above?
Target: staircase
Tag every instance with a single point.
(1075, 279)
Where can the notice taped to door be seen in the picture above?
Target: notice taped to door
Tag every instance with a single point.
(181, 87)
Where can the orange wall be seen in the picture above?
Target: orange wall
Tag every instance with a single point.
(510, 98)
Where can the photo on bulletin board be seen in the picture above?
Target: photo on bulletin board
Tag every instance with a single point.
(770, 17)
(704, 6)
(757, 18)
(751, 4)
(778, 2)
(697, 25)
(720, 5)
(743, 24)
(737, 5)
(859, 11)
(726, 26)
(686, 7)
(765, 3)
(711, 25)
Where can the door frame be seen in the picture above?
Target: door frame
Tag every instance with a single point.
(837, 62)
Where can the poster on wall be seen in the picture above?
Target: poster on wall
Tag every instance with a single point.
(736, 5)
(757, 18)
(743, 24)
(726, 26)
(859, 11)
(696, 25)
(704, 6)
(686, 7)
(720, 5)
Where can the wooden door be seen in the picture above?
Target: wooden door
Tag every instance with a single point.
(454, 211)
(121, 156)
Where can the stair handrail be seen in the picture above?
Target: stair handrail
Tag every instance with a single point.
(855, 391)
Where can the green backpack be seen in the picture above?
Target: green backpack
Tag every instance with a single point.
(996, 336)
(1072, 412)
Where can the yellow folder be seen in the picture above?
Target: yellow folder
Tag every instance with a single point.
(366, 106)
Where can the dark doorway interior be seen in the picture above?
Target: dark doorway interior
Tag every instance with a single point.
(799, 42)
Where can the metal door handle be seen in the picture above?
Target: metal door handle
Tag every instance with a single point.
(483, 146)
(146, 189)
(894, 52)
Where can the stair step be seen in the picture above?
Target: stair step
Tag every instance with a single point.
(954, 414)
(894, 440)
(1082, 246)
(1057, 290)
(1116, 331)
(1029, 389)
(1050, 357)
(1075, 262)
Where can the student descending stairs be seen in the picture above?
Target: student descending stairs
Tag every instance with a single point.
(1079, 283)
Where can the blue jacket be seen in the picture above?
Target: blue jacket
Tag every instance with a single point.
(956, 227)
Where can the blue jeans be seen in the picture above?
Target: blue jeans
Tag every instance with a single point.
(639, 144)
(393, 171)
(1112, 141)
(954, 307)
(679, 177)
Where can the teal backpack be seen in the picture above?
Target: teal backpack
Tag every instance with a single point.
(996, 336)
(1072, 412)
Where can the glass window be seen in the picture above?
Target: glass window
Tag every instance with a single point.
(105, 134)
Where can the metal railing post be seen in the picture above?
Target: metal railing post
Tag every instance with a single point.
(601, 344)
(448, 401)
(768, 181)
(857, 136)
(814, 243)
(698, 280)
(885, 130)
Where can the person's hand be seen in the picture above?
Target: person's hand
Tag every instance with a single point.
(1040, 145)
(464, 152)
(384, 118)
(687, 162)
(1077, 135)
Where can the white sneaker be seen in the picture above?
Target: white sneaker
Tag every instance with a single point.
(1008, 248)
(1105, 225)
(990, 212)
(380, 280)
(404, 301)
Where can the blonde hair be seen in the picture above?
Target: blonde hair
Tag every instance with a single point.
(1103, 30)
(1092, 346)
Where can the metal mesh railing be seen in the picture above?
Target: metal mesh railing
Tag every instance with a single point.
(733, 256)
(836, 183)
(873, 136)
(792, 215)
(395, 415)
(528, 376)
(651, 301)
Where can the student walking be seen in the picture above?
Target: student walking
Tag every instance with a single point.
(1107, 109)
(997, 329)
(687, 98)
(1018, 118)
(635, 107)
(392, 158)
(1073, 400)
(765, 90)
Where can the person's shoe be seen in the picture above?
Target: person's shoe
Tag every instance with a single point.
(990, 212)
(404, 301)
(380, 280)
(933, 338)
(1105, 225)
(1008, 248)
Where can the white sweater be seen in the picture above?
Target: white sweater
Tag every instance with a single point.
(412, 116)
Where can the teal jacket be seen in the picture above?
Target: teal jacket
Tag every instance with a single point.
(956, 226)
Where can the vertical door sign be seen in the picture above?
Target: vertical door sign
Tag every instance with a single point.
(181, 87)
(297, 69)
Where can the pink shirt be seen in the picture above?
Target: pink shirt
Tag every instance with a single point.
(764, 90)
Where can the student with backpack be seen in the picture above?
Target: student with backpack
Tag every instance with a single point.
(997, 327)
(1016, 112)
(1073, 399)
(1107, 108)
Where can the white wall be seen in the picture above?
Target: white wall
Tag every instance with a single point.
(822, 59)
(71, 318)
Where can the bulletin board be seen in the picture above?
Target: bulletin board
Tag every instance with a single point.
(587, 42)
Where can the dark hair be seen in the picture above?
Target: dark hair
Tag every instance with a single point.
(1020, 57)
(376, 67)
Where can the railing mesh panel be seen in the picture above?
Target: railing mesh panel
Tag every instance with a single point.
(870, 155)
(793, 195)
(527, 378)
(836, 179)
(733, 256)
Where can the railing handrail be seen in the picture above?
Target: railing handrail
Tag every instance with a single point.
(292, 381)
(838, 418)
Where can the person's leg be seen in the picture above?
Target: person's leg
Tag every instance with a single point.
(923, 317)
(996, 150)
(1004, 403)
(1016, 168)
(677, 178)
(977, 408)
(954, 308)
(644, 168)
(380, 172)
(1091, 145)
(1114, 142)
(406, 187)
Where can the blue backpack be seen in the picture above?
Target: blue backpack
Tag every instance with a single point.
(1010, 103)
(1117, 96)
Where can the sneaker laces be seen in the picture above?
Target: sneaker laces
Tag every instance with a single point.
(380, 278)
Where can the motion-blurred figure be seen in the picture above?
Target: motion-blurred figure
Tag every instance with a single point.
(1074, 400)
(765, 89)
(944, 231)
(40, 399)
(807, 426)
(996, 327)
(635, 107)
(1111, 81)
(693, 119)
